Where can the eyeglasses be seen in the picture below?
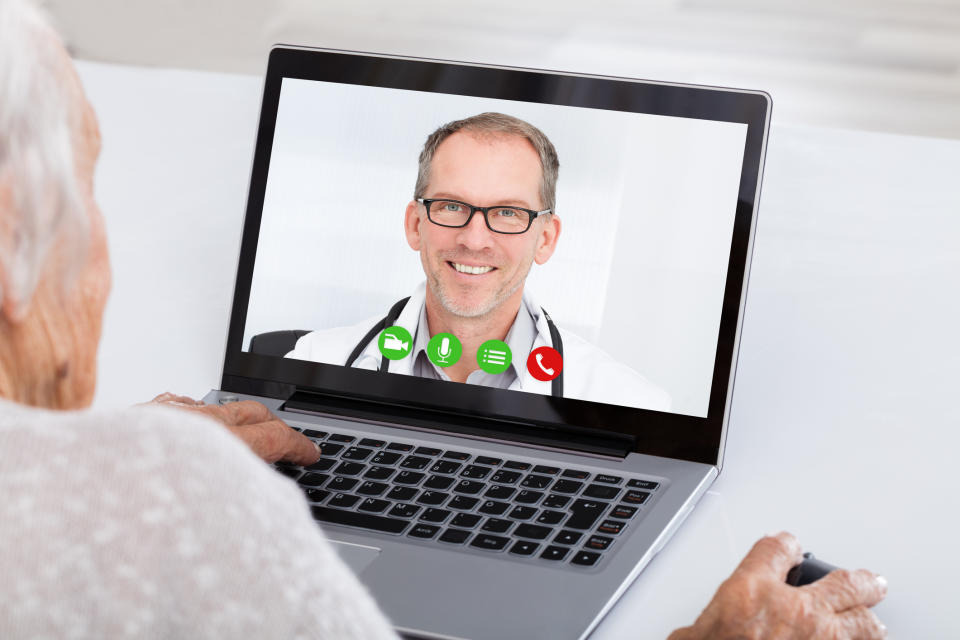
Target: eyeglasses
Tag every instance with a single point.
(456, 214)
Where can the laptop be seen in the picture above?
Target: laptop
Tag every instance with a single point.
(520, 494)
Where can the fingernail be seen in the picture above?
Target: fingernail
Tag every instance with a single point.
(317, 446)
(883, 629)
(882, 582)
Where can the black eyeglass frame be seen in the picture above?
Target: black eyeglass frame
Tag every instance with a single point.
(426, 202)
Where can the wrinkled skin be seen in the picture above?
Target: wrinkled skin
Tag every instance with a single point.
(755, 601)
(267, 435)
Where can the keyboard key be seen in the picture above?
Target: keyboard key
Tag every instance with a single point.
(445, 466)
(489, 542)
(566, 486)
(463, 502)
(554, 553)
(549, 471)
(370, 442)
(522, 513)
(551, 517)
(636, 497)
(290, 472)
(427, 451)
(329, 449)
(399, 446)
(497, 525)
(313, 479)
(415, 462)
(378, 473)
(373, 505)
(457, 455)
(466, 520)
(513, 464)
(385, 457)
(601, 492)
(499, 493)
(642, 484)
(585, 558)
(358, 519)
(342, 501)
(623, 512)
(493, 508)
(468, 487)
(341, 483)
(438, 482)
(455, 536)
(556, 502)
(532, 531)
(576, 475)
(402, 510)
(317, 495)
(535, 481)
(434, 515)
(611, 526)
(349, 468)
(493, 462)
(313, 433)
(598, 542)
(423, 530)
(505, 477)
(608, 479)
(528, 497)
(435, 498)
(524, 548)
(585, 513)
(370, 488)
(409, 477)
(402, 494)
(568, 537)
(476, 472)
(339, 437)
(323, 464)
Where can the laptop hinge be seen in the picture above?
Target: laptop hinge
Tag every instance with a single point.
(555, 436)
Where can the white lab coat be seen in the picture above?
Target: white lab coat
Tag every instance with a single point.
(588, 372)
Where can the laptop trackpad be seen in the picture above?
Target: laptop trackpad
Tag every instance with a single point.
(357, 557)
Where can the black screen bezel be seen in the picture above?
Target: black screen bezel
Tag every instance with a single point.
(655, 433)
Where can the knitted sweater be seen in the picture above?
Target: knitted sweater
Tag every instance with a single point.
(155, 523)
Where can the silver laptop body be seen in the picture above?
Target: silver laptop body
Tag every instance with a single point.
(635, 474)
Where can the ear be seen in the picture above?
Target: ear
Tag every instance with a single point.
(547, 238)
(411, 225)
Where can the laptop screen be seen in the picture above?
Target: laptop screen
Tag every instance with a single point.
(410, 241)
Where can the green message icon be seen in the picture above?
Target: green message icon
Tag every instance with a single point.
(444, 349)
(395, 343)
(494, 356)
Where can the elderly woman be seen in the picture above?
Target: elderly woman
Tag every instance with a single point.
(158, 522)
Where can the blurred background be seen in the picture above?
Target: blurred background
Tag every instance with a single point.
(877, 65)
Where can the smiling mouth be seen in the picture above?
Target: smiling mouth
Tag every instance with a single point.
(469, 269)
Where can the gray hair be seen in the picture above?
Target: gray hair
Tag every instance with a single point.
(36, 151)
(493, 124)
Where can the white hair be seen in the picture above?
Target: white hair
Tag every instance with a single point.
(36, 152)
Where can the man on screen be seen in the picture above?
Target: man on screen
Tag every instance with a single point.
(482, 214)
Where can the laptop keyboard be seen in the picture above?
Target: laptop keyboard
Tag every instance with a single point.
(527, 510)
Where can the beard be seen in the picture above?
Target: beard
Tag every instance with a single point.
(451, 304)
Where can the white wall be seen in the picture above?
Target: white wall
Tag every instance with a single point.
(647, 205)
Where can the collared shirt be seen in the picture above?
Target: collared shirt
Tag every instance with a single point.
(520, 339)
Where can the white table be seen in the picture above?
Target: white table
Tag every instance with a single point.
(845, 420)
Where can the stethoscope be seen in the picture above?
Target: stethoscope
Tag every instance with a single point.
(394, 313)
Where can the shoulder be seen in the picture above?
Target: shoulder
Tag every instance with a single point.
(331, 345)
(593, 374)
(154, 512)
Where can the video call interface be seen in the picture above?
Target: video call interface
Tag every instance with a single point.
(434, 235)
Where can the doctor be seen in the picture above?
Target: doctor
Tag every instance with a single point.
(482, 215)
